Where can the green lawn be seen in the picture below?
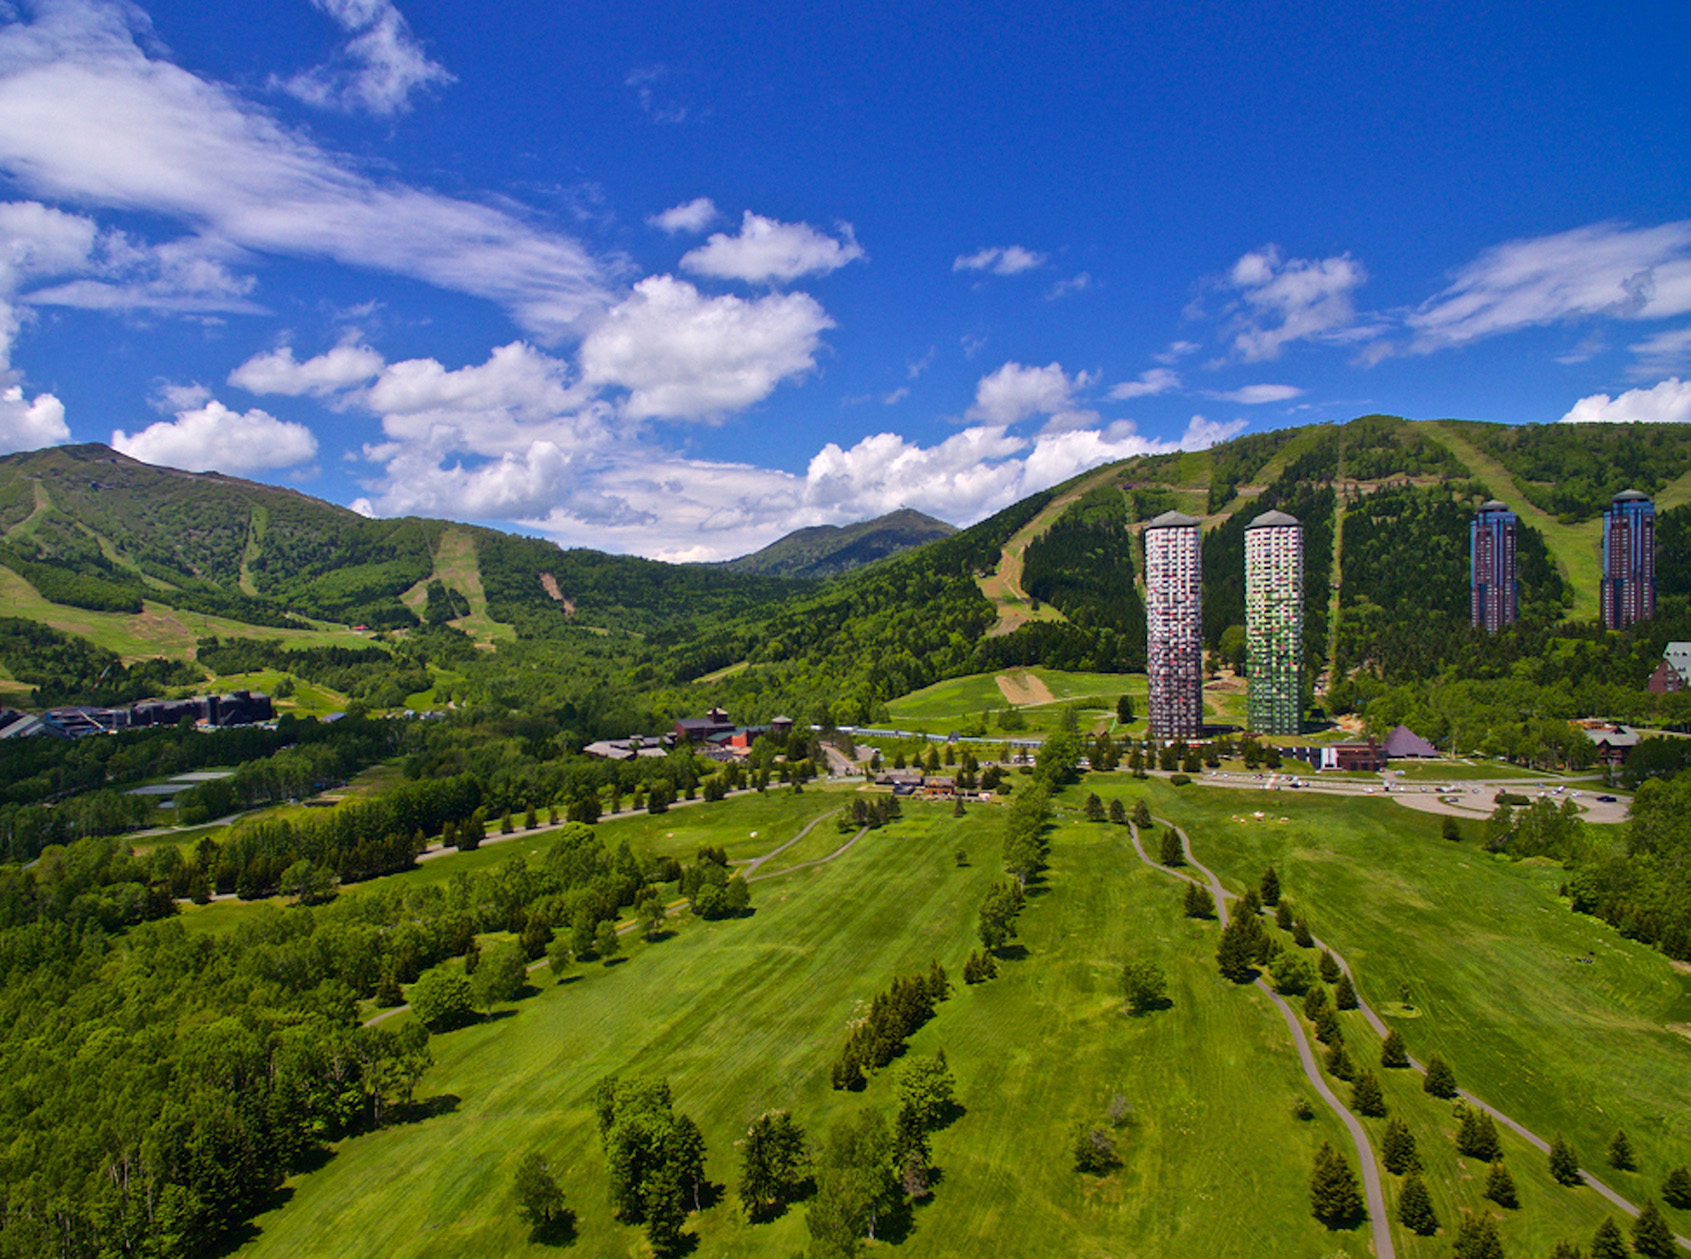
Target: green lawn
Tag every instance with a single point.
(1487, 951)
(957, 704)
(741, 1016)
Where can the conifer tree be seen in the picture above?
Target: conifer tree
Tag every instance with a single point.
(1327, 1029)
(1283, 915)
(1334, 1197)
(1441, 1080)
(1500, 1185)
(1344, 994)
(1329, 966)
(1236, 951)
(1315, 1001)
(1651, 1235)
(1270, 887)
(1365, 1096)
(1607, 1242)
(1415, 1207)
(1676, 1189)
(1397, 1149)
(1300, 934)
(1564, 1166)
(1567, 1250)
(1476, 1135)
(1392, 1052)
(1199, 903)
(1250, 904)
(1141, 815)
(1172, 852)
(1118, 813)
(1620, 1152)
(1338, 1061)
(1477, 1239)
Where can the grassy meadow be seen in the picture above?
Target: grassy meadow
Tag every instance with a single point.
(957, 703)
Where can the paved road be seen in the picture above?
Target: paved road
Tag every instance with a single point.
(1380, 1029)
(1469, 804)
(1372, 1189)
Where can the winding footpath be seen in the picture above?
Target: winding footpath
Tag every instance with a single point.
(1373, 1190)
(1370, 1173)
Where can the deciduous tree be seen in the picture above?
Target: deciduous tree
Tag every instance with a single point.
(539, 1200)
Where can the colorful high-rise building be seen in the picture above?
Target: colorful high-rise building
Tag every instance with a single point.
(1629, 560)
(1174, 626)
(1274, 623)
(1493, 584)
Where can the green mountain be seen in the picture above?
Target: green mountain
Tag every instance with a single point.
(829, 550)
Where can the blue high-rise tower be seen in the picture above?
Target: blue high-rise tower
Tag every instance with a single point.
(1492, 585)
(1629, 560)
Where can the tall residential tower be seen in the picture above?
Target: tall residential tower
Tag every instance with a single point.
(1629, 560)
(1174, 625)
(1493, 587)
(1274, 622)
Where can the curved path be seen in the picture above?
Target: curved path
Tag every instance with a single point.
(753, 865)
(1373, 1191)
(1380, 1029)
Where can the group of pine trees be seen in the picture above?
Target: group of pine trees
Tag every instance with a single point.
(893, 1016)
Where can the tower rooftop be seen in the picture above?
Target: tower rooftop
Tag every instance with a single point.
(1631, 496)
(1494, 504)
(1173, 520)
(1271, 519)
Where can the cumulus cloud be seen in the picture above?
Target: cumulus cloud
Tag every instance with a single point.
(689, 216)
(378, 69)
(767, 251)
(1015, 392)
(29, 424)
(1150, 383)
(214, 438)
(685, 356)
(86, 114)
(1201, 433)
(1000, 260)
(1668, 403)
(1256, 395)
(1280, 300)
(1608, 270)
(278, 372)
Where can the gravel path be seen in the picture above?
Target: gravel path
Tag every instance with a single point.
(1373, 1191)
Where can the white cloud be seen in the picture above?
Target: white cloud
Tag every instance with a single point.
(1661, 354)
(1176, 351)
(1606, 270)
(29, 424)
(1201, 433)
(689, 216)
(1282, 300)
(214, 438)
(378, 70)
(87, 115)
(1668, 403)
(896, 396)
(770, 251)
(685, 356)
(1074, 284)
(278, 372)
(1000, 260)
(1256, 395)
(1150, 383)
(1014, 392)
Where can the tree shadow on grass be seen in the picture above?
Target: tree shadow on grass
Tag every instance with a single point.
(1150, 1007)
(615, 961)
(1011, 952)
(423, 1108)
(658, 937)
(558, 1232)
(494, 1016)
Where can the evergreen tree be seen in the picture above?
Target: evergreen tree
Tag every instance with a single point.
(1237, 951)
(1365, 1095)
(1283, 915)
(1250, 904)
(1145, 986)
(1118, 812)
(1300, 934)
(1567, 1250)
(1441, 1080)
(1329, 966)
(1476, 1135)
(1415, 1207)
(1327, 1029)
(1270, 887)
(1315, 1002)
(1344, 994)
(1607, 1243)
(1676, 1189)
(1392, 1052)
(1564, 1166)
(1338, 1061)
(1334, 1197)
(1500, 1185)
(1173, 854)
(1620, 1152)
(1397, 1149)
(1141, 815)
(1198, 902)
(1651, 1235)
(1477, 1239)
(1094, 807)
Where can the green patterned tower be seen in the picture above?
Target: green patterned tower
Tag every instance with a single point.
(1274, 622)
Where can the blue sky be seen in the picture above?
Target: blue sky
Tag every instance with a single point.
(677, 279)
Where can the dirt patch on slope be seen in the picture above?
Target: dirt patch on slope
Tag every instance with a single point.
(1024, 688)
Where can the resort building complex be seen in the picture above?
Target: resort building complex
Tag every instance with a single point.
(1274, 623)
(1493, 585)
(1629, 560)
(1174, 616)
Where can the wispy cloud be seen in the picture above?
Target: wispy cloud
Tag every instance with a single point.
(1064, 288)
(378, 70)
(1666, 352)
(1000, 260)
(1256, 395)
(1279, 300)
(1150, 383)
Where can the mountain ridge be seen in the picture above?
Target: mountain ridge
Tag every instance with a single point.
(830, 550)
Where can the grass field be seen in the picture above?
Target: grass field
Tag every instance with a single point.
(1488, 952)
(957, 704)
(745, 1015)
